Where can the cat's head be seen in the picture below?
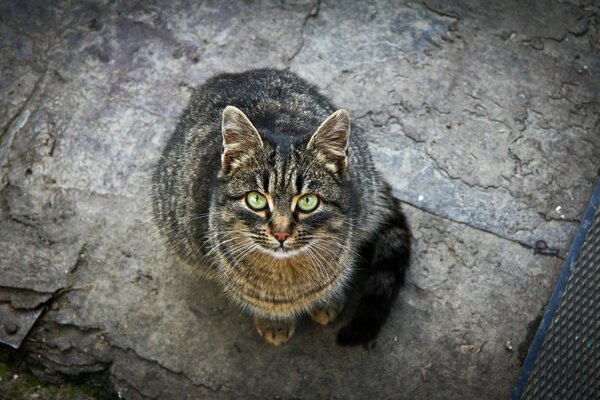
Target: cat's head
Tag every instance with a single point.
(282, 195)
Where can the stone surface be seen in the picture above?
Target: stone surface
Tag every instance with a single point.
(482, 120)
(483, 117)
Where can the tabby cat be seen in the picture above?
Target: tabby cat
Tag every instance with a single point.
(263, 188)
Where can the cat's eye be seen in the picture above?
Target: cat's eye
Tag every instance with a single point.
(256, 201)
(308, 202)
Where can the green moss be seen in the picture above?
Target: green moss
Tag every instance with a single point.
(3, 371)
(19, 383)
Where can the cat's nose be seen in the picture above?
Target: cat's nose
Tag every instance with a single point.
(281, 236)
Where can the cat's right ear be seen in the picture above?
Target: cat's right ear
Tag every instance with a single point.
(240, 139)
(330, 141)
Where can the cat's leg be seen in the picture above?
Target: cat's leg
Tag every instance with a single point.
(328, 313)
(275, 332)
(391, 258)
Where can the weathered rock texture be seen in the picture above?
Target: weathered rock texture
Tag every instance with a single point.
(484, 116)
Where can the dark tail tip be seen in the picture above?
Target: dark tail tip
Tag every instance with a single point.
(372, 312)
(357, 333)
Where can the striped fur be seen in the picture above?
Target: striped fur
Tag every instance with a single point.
(271, 132)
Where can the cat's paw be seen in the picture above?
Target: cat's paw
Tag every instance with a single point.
(327, 314)
(275, 332)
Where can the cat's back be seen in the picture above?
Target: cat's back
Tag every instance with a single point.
(277, 102)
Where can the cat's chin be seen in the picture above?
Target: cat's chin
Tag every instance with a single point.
(282, 252)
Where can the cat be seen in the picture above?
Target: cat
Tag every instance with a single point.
(262, 188)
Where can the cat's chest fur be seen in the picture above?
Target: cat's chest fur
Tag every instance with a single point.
(271, 286)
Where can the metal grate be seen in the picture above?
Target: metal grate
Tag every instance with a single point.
(568, 364)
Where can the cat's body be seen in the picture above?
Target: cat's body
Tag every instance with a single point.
(257, 191)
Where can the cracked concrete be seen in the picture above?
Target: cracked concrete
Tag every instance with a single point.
(483, 117)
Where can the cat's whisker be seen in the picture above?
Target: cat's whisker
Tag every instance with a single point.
(199, 216)
(240, 251)
(325, 249)
(223, 256)
(205, 215)
(326, 260)
(356, 227)
(341, 246)
(215, 248)
(220, 242)
(322, 269)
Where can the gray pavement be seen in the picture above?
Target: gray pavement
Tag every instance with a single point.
(484, 116)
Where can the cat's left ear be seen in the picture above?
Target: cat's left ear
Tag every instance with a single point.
(241, 140)
(330, 141)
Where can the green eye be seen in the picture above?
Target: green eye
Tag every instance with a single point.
(308, 202)
(256, 201)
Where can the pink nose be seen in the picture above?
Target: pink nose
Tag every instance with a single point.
(281, 236)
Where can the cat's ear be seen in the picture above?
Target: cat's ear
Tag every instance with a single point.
(240, 139)
(330, 141)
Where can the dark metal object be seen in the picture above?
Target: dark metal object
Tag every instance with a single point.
(564, 360)
(15, 323)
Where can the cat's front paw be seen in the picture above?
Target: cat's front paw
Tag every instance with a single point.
(275, 332)
(327, 314)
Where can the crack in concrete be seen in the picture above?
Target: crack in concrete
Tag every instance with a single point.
(129, 386)
(161, 365)
(481, 229)
(437, 11)
(61, 291)
(81, 328)
(549, 218)
(444, 171)
(90, 367)
(441, 169)
(26, 289)
(29, 222)
(18, 121)
(81, 258)
(312, 14)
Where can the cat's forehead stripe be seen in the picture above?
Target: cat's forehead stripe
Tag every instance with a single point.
(281, 173)
(299, 183)
(265, 181)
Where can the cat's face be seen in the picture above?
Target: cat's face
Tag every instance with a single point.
(282, 200)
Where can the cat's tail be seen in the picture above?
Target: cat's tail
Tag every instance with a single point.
(391, 259)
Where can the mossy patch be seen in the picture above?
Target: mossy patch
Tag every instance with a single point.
(19, 383)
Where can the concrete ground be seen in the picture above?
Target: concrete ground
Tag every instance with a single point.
(484, 116)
